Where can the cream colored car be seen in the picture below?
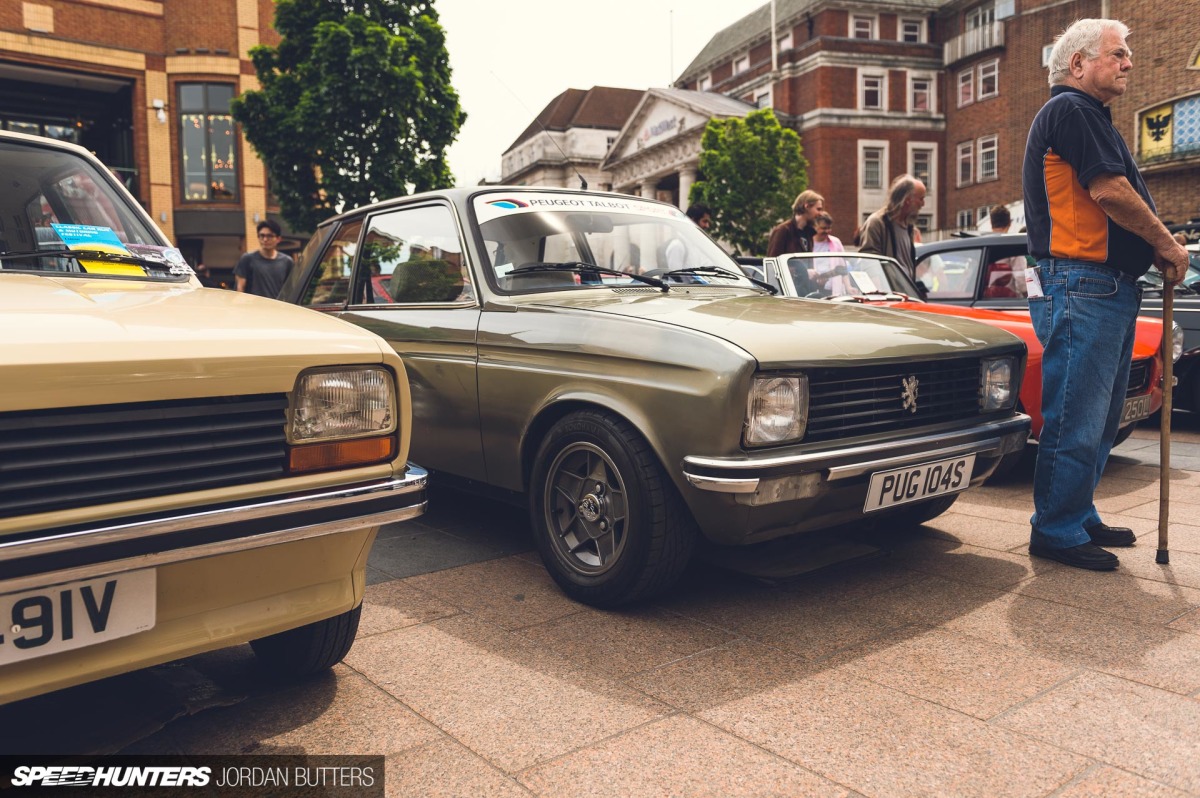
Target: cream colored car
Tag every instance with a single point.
(181, 468)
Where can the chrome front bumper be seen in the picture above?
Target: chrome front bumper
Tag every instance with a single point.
(747, 474)
(73, 554)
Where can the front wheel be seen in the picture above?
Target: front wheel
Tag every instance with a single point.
(310, 649)
(610, 526)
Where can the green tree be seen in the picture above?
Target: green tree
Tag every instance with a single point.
(355, 106)
(751, 171)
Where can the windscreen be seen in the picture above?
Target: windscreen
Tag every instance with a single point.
(526, 234)
(56, 200)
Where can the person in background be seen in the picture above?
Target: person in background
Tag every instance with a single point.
(890, 230)
(1000, 218)
(830, 273)
(264, 271)
(796, 234)
(701, 214)
(1093, 231)
(675, 253)
(205, 276)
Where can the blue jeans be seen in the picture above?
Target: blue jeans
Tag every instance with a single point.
(1086, 323)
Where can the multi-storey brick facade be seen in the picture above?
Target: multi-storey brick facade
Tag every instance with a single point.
(122, 77)
(849, 78)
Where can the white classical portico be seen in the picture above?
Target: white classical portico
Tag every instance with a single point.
(656, 153)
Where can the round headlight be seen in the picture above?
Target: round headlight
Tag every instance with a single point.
(1176, 341)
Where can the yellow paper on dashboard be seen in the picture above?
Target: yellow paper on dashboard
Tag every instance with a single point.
(98, 239)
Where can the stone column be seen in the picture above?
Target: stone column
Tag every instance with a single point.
(687, 177)
(647, 243)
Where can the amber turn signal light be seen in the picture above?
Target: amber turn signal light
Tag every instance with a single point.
(341, 454)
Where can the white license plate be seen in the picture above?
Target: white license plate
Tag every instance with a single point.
(1136, 408)
(914, 483)
(50, 620)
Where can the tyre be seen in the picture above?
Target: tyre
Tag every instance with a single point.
(308, 650)
(917, 514)
(610, 526)
(1123, 434)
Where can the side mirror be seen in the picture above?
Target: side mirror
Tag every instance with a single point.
(922, 289)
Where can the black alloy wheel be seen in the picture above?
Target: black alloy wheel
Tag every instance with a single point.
(610, 526)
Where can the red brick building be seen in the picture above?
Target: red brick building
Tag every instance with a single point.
(946, 91)
(146, 84)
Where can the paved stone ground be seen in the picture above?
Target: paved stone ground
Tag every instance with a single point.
(942, 663)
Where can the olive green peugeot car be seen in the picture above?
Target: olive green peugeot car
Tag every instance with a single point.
(600, 358)
(181, 468)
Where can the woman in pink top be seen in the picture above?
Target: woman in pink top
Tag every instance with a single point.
(830, 272)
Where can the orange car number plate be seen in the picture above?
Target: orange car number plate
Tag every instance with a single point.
(72, 615)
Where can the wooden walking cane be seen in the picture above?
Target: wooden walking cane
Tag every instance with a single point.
(1163, 557)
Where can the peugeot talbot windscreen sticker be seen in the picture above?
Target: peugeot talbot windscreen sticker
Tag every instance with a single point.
(495, 205)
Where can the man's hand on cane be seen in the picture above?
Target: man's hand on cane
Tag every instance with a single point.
(1172, 263)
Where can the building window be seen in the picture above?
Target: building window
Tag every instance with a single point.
(763, 100)
(704, 84)
(872, 161)
(981, 16)
(921, 166)
(862, 27)
(983, 212)
(1046, 51)
(966, 219)
(987, 158)
(871, 92)
(921, 96)
(989, 79)
(784, 42)
(912, 31)
(966, 88)
(966, 163)
(207, 144)
(740, 65)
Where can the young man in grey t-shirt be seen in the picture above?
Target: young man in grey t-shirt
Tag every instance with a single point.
(263, 272)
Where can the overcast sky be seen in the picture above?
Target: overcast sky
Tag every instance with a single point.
(509, 59)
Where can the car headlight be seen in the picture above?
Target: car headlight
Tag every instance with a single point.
(1176, 341)
(342, 417)
(997, 382)
(776, 410)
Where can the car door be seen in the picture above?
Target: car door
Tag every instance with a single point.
(403, 274)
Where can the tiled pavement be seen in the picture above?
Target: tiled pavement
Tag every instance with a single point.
(947, 664)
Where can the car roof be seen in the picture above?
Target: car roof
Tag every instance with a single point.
(972, 242)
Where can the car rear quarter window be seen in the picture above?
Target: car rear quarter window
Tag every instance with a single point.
(329, 285)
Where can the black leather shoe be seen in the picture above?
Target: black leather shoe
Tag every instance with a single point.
(1104, 535)
(1085, 555)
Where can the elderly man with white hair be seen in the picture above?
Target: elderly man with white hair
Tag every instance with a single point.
(1093, 230)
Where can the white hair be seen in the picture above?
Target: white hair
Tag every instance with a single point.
(1083, 36)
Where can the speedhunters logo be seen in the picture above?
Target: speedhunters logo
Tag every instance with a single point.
(84, 776)
(508, 204)
(221, 776)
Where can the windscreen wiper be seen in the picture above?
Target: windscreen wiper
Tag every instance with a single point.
(88, 254)
(722, 272)
(579, 267)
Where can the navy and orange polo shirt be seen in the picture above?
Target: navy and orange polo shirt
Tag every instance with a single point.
(1071, 141)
